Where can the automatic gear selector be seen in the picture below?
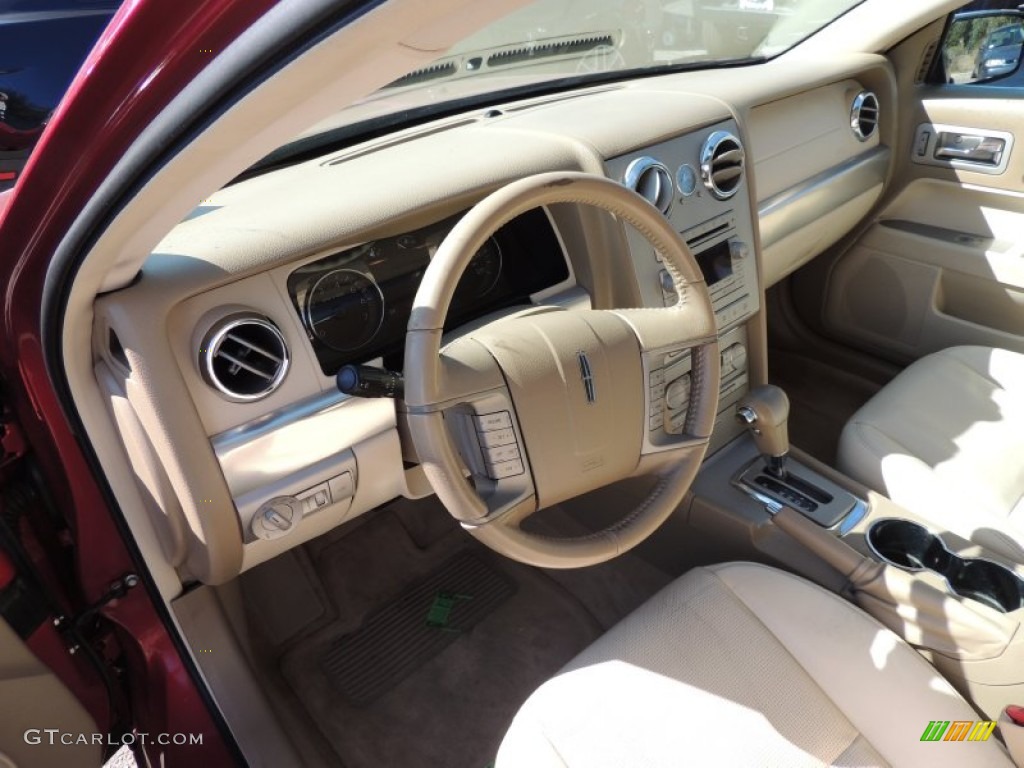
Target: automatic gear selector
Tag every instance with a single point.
(770, 479)
(764, 411)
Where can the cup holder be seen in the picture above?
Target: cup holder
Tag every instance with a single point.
(913, 547)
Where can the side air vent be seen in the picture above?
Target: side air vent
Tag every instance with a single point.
(651, 180)
(721, 164)
(244, 357)
(864, 115)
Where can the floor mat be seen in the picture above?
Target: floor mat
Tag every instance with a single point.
(399, 638)
(453, 707)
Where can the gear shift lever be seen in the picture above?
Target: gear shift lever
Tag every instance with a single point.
(764, 412)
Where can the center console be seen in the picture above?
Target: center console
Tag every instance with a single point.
(699, 182)
(777, 482)
(961, 606)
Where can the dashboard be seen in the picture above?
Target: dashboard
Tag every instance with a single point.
(228, 398)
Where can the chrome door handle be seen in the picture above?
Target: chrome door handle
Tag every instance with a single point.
(973, 148)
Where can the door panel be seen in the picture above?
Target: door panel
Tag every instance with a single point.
(943, 263)
(32, 700)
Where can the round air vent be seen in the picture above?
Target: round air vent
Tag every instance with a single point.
(244, 357)
(651, 180)
(864, 115)
(721, 164)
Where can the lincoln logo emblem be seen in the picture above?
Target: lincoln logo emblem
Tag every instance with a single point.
(588, 376)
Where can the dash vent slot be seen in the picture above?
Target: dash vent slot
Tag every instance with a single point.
(547, 49)
(426, 74)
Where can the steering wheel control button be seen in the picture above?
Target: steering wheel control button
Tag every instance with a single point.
(677, 368)
(502, 453)
(489, 422)
(658, 420)
(676, 422)
(505, 469)
(498, 444)
(657, 377)
(277, 517)
(497, 437)
(677, 394)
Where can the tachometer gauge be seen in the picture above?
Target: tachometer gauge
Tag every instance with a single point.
(345, 309)
(481, 273)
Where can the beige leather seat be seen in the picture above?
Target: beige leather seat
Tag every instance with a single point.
(945, 439)
(743, 665)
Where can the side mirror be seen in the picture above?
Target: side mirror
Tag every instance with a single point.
(982, 46)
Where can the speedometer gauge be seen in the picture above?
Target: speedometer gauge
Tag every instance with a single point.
(345, 309)
(481, 273)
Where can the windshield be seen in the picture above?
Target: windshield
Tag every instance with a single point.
(577, 41)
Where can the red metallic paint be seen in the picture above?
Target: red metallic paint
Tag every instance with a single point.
(7, 572)
(150, 51)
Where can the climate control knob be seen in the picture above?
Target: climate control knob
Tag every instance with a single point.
(277, 517)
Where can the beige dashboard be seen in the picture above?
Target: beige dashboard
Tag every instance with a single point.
(208, 463)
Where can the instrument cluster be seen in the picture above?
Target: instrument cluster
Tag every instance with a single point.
(355, 304)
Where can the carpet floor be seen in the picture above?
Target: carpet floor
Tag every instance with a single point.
(822, 399)
(410, 572)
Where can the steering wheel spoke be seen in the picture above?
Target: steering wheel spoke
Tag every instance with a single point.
(466, 407)
(690, 323)
(673, 341)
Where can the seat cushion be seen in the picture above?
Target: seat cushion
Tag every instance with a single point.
(945, 439)
(742, 665)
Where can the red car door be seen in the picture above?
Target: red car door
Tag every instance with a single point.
(74, 597)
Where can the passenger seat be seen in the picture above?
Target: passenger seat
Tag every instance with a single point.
(945, 439)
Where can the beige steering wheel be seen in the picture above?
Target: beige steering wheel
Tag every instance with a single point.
(547, 404)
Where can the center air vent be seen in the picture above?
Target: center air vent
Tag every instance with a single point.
(244, 357)
(651, 180)
(864, 115)
(721, 164)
